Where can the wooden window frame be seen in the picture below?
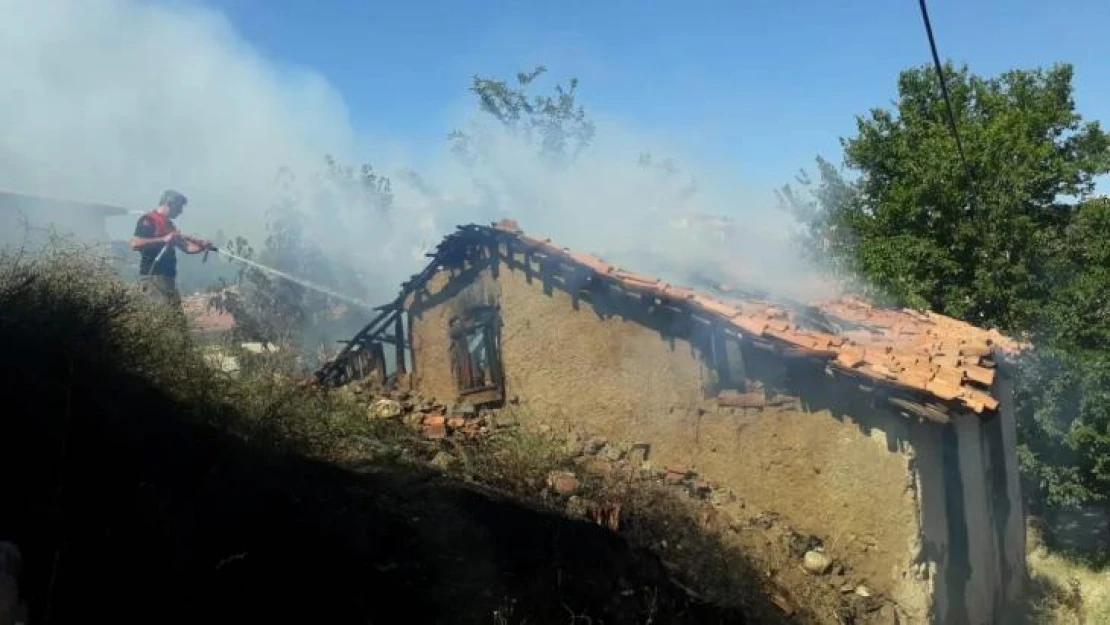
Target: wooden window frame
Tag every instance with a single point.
(488, 321)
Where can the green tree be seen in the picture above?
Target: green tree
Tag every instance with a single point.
(1008, 238)
(556, 123)
(1065, 398)
(969, 241)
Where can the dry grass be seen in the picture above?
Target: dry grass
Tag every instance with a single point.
(1065, 591)
(65, 307)
(515, 459)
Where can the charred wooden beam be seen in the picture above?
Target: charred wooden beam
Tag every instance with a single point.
(924, 411)
(408, 341)
(800, 353)
(332, 372)
(399, 343)
(389, 340)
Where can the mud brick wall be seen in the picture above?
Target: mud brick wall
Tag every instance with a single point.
(906, 502)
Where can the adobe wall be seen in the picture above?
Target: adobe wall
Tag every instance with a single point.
(447, 294)
(594, 367)
(879, 487)
(975, 522)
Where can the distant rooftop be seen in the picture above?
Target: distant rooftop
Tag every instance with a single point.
(34, 201)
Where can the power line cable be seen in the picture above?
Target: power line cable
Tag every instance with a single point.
(947, 100)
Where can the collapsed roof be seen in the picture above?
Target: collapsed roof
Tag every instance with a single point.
(921, 352)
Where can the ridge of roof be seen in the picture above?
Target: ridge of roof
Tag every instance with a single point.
(923, 352)
(103, 207)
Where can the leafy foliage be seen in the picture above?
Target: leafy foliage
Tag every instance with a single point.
(1001, 242)
(557, 122)
(1066, 400)
(925, 234)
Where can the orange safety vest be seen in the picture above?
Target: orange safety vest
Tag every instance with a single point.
(162, 224)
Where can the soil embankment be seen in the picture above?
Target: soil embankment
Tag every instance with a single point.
(131, 505)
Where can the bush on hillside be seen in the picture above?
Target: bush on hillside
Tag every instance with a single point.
(66, 314)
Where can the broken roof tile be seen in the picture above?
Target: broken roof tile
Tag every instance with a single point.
(748, 325)
(679, 292)
(728, 311)
(943, 389)
(852, 356)
(589, 260)
(981, 375)
(636, 278)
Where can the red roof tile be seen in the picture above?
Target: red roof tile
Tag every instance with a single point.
(203, 317)
(922, 351)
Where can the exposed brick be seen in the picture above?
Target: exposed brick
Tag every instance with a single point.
(438, 430)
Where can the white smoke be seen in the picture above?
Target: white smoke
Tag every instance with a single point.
(117, 100)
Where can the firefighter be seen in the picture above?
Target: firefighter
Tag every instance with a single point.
(157, 241)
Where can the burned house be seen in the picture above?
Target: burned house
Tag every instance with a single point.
(889, 431)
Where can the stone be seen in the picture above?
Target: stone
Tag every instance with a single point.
(442, 461)
(385, 409)
(563, 482)
(598, 467)
(463, 409)
(455, 422)
(863, 591)
(434, 419)
(413, 419)
(816, 562)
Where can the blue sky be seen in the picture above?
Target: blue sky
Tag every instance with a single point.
(761, 85)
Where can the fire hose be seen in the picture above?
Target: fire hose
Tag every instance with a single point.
(208, 247)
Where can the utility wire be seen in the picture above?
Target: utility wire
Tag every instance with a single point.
(947, 100)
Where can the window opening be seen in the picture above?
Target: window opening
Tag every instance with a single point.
(476, 352)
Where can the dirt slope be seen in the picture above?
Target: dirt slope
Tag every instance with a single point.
(160, 521)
